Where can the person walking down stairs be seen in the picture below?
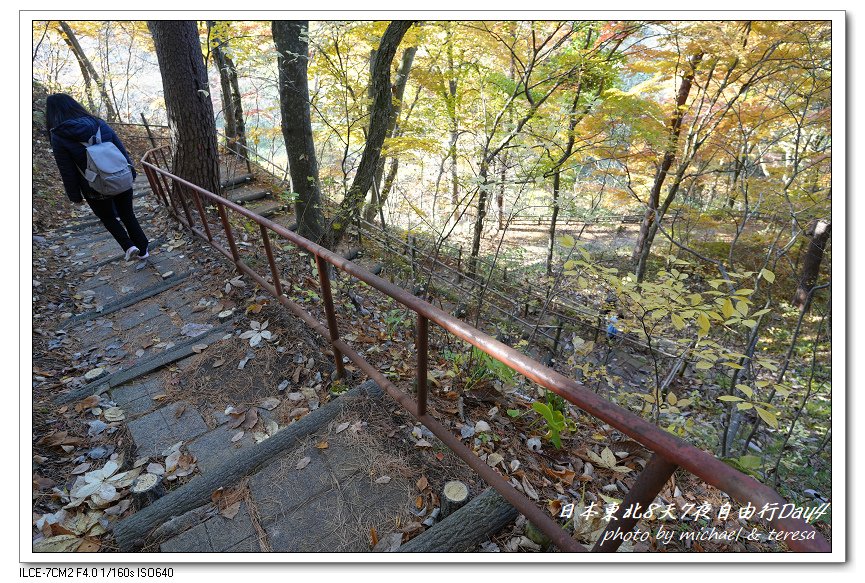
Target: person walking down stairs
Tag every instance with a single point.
(96, 169)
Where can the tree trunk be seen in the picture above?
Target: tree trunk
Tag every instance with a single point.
(89, 72)
(500, 196)
(451, 99)
(187, 101)
(658, 214)
(552, 243)
(379, 196)
(667, 160)
(236, 105)
(466, 528)
(379, 118)
(224, 83)
(819, 233)
(232, 105)
(479, 219)
(291, 40)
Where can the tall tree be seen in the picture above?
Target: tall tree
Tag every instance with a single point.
(232, 104)
(675, 128)
(187, 101)
(88, 72)
(379, 194)
(291, 38)
(380, 115)
(818, 233)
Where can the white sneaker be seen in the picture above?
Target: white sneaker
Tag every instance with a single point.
(132, 251)
(145, 256)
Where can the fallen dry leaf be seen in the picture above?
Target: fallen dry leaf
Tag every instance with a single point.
(42, 483)
(231, 511)
(322, 445)
(64, 543)
(87, 403)
(342, 427)
(237, 436)
(238, 418)
(303, 462)
(298, 412)
(251, 419)
(383, 480)
(270, 403)
(114, 414)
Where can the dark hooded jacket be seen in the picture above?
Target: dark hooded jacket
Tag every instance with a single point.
(71, 156)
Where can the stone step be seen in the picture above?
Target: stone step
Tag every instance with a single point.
(328, 504)
(267, 208)
(241, 197)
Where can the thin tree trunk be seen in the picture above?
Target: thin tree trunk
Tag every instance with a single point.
(236, 104)
(85, 63)
(819, 233)
(224, 83)
(552, 242)
(500, 197)
(379, 193)
(479, 219)
(290, 38)
(85, 72)
(669, 156)
(451, 99)
(382, 106)
(187, 101)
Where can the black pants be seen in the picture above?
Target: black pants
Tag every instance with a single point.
(120, 207)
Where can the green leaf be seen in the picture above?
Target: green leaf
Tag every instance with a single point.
(567, 241)
(767, 275)
(735, 365)
(730, 398)
(746, 389)
(703, 365)
(727, 308)
(744, 292)
(749, 323)
(703, 323)
(750, 462)
(742, 308)
(678, 322)
(514, 412)
(744, 406)
(569, 264)
(768, 417)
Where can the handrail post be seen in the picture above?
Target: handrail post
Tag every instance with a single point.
(324, 280)
(422, 347)
(198, 205)
(642, 493)
(265, 238)
(226, 226)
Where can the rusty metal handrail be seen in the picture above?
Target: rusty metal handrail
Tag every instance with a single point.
(670, 452)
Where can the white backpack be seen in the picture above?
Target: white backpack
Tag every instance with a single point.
(108, 172)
